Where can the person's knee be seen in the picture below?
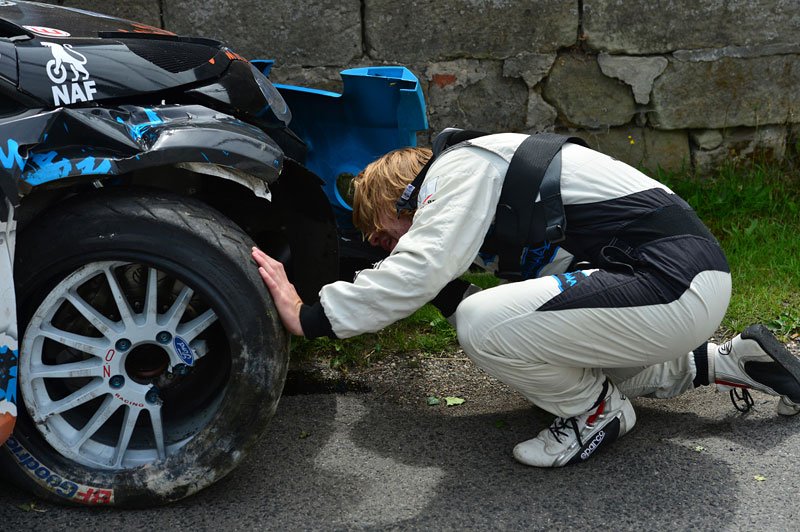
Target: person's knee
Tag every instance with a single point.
(468, 322)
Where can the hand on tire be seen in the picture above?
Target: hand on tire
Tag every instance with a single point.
(287, 301)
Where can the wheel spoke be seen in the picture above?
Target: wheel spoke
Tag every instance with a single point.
(158, 431)
(128, 424)
(106, 410)
(84, 368)
(93, 389)
(173, 316)
(150, 310)
(87, 344)
(123, 306)
(200, 348)
(192, 329)
(98, 321)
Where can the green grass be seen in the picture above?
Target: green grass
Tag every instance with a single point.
(753, 210)
(425, 332)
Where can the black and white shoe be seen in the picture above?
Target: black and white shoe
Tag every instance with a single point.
(756, 360)
(576, 439)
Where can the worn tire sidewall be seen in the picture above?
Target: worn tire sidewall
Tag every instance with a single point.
(209, 253)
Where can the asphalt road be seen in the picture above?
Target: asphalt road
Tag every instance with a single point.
(359, 462)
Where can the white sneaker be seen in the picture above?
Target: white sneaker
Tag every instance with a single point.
(576, 439)
(756, 359)
(787, 408)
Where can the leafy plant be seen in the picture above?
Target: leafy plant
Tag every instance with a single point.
(786, 325)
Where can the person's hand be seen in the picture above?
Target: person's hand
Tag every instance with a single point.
(286, 299)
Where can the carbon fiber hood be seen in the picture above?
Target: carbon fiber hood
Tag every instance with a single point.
(67, 56)
(47, 20)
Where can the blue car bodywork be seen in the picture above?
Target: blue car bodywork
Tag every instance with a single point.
(379, 109)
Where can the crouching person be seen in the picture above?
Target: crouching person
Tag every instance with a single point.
(618, 286)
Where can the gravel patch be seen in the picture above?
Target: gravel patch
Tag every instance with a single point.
(410, 379)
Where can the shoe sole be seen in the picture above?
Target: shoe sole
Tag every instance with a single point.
(774, 349)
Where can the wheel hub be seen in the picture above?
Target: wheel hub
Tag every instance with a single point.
(146, 362)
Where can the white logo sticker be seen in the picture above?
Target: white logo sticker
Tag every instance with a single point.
(426, 192)
(67, 61)
(593, 446)
(47, 32)
(725, 349)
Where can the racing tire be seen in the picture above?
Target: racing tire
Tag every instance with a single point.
(152, 357)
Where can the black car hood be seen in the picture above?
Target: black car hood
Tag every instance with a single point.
(45, 20)
(70, 57)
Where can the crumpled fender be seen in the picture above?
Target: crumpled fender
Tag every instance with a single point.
(37, 148)
(15, 137)
(65, 143)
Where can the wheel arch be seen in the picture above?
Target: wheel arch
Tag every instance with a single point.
(289, 218)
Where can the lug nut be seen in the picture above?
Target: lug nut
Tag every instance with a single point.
(123, 344)
(181, 370)
(116, 382)
(163, 337)
(152, 395)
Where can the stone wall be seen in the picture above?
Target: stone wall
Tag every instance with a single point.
(667, 83)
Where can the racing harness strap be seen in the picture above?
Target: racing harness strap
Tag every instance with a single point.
(446, 139)
(534, 170)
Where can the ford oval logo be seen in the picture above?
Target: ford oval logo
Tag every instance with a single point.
(184, 351)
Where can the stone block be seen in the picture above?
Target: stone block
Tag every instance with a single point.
(306, 32)
(529, 66)
(707, 139)
(419, 31)
(638, 72)
(727, 93)
(793, 140)
(532, 68)
(584, 97)
(763, 144)
(642, 148)
(646, 27)
(541, 115)
(144, 11)
(473, 94)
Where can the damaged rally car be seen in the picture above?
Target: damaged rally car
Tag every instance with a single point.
(140, 354)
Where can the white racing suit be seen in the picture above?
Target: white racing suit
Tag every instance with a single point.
(658, 287)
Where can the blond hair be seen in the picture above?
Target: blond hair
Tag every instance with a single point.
(378, 187)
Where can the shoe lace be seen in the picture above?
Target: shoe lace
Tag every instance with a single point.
(743, 401)
(561, 424)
